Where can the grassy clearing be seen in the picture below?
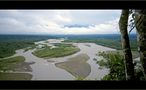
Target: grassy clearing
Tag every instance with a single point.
(60, 51)
(77, 66)
(14, 64)
(15, 76)
(11, 63)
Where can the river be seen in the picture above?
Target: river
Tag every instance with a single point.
(45, 69)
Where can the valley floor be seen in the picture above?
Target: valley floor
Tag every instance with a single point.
(47, 69)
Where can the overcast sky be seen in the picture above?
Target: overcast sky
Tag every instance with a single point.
(59, 21)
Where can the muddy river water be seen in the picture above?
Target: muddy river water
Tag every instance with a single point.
(45, 69)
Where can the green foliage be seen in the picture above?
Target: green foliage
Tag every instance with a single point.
(61, 50)
(116, 64)
(9, 63)
(8, 48)
(102, 63)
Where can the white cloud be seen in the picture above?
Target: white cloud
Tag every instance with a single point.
(62, 18)
(104, 28)
(52, 21)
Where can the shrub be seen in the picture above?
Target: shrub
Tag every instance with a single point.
(116, 64)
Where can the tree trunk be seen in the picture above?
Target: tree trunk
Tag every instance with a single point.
(129, 67)
(141, 32)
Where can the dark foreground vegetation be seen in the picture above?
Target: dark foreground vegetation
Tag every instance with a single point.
(115, 62)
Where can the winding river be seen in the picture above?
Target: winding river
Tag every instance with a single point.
(45, 69)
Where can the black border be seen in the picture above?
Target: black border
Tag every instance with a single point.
(72, 5)
(72, 0)
(72, 85)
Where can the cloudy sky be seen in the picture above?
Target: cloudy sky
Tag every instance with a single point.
(59, 21)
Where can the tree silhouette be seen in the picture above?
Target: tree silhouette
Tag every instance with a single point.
(129, 67)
